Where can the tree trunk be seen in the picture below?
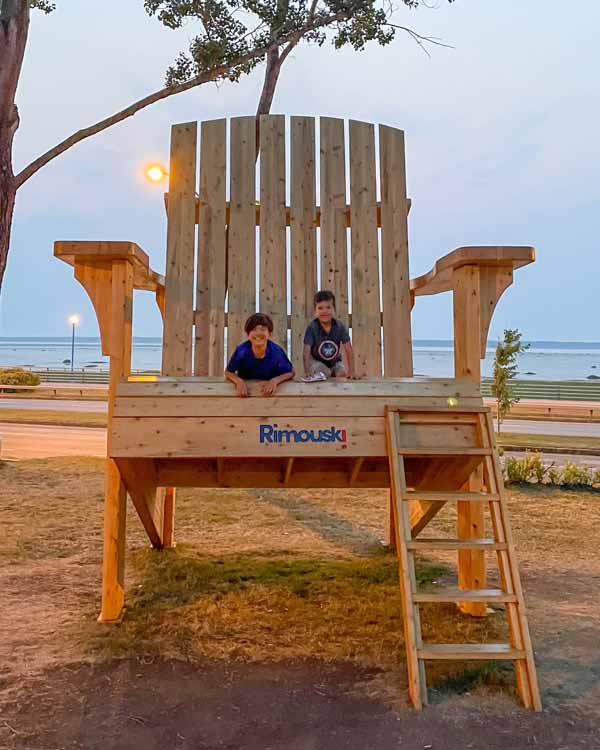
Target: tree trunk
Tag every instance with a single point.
(7, 205)
(268, 91)
(14, 27)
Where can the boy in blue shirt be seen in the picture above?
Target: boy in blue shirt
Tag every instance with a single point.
(327, 348)
(258, 358)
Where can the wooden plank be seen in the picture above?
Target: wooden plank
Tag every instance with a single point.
(115, 493)
(218, 437)
(273, 276)
(242, 234)
(397, 337)
(356, 469)
(308, 473)
(333, 221)
(443, 450)
(427, 437)
(287, 472)
(140, 480)
(455, 594)
(179, 285)
(198, 406)
(467, 365)
(168, 516)
(459, 651)
(417, 685)
(303, 232)
(444, 497)
(211, 281)
(509, 574)
(455, 544)
(366, 330)
(419, 387)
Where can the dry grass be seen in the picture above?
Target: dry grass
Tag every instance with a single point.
(258, 575)
(43, 416)
(567, 442)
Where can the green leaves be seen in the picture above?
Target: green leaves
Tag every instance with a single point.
(505, 368)
(230, 30)
(44, 5)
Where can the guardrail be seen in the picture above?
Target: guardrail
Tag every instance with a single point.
(82, 375)
(553, 390)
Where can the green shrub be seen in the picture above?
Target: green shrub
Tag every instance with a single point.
(18, 376)
(527, 469)
(531, 469)
(576, 476)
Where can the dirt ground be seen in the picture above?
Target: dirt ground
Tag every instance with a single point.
(274, 624)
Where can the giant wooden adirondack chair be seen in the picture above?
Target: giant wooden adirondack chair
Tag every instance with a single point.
(429, 440)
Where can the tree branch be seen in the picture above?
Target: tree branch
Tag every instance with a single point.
(165, 93)
(420, 39)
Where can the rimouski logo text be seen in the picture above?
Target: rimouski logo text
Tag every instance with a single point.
(270, 433)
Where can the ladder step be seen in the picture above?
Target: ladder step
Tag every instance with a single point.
(440, 409)
(445, 450)
(444, 497)
(470, 651)
(454, 594)
(421, 544)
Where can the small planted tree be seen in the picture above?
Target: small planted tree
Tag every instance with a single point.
(505, 369)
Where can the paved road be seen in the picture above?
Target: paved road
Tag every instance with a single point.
(572, 429)
(40, 441)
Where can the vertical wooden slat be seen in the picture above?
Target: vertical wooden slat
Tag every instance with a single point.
(210, 289)
(366, 318)
(242, 224)
(334, 260)
(303, 230)
(273, 280)
(397, 338)
(179, 291)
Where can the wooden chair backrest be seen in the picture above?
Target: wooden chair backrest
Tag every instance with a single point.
(372, 280)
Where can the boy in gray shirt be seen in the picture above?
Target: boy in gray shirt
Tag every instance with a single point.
(327, 348)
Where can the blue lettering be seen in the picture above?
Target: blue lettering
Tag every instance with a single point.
(266, 433)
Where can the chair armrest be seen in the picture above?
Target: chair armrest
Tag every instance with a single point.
(102, 255)
(440, 278)
(109, 272)
(477, 276)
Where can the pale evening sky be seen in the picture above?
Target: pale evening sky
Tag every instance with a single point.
(502, 148)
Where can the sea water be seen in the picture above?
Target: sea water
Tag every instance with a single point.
(544, 360)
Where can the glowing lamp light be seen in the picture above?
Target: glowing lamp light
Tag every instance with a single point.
(452, 401)
(74, 320)
(156, 172)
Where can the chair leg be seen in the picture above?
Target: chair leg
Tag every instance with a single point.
(471, 563)
(169, 517)
(392, 537)
(113, 565)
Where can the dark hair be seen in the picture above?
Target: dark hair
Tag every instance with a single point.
(258, 319)
(324, 296)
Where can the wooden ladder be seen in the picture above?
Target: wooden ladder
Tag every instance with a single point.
(511, 594)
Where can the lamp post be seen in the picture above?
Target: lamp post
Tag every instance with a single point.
(156, 172)
(74, 321)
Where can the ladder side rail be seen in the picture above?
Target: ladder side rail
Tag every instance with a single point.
(417, 686)
(508, 562)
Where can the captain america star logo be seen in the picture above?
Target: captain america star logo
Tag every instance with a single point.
(328, 350)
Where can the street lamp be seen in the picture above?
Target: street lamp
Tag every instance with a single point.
(74, 321)
(156, 172)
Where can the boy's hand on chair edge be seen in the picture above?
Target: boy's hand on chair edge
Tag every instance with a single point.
(268, 388)
(242, 389)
